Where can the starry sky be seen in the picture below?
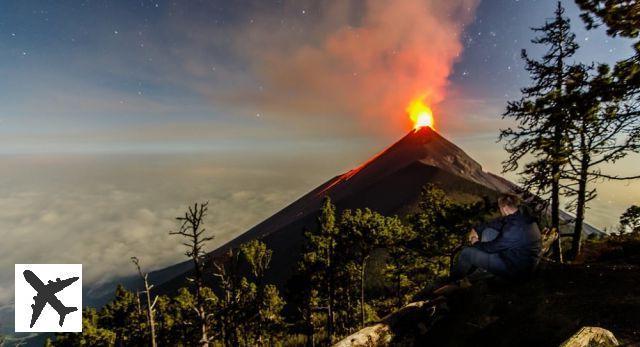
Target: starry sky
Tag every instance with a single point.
(117, 114)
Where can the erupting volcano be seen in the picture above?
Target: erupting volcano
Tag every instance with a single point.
(389, 182)
(420, 114)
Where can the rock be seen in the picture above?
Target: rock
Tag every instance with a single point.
(375, 335)
(591, 337)
(416, 314)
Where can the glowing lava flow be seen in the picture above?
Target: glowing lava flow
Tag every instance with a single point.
(420, 114)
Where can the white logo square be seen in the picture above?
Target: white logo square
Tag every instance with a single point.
(48, 297)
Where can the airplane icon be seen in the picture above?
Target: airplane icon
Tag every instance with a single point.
(47, 295)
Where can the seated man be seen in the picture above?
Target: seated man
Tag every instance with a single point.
(508, 247)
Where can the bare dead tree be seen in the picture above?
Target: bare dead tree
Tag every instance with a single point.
(150, 304)
(225, 270)
(191, 229)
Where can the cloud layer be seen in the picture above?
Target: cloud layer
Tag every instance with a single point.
(101, 210)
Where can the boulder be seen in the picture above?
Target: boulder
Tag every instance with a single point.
(591, 337)
(416, 315)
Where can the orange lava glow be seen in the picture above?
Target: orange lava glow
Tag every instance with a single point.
(420, 114)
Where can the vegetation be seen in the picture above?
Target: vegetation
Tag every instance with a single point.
(541, 116)
(574, 117)
(630, 220)
(353, 269)
(150, 308)
(192, 230)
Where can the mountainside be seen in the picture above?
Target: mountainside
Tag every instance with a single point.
(388, 183)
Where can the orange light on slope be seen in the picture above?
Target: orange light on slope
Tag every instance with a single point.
(420, 114)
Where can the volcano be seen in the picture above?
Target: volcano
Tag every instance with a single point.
(388, 183)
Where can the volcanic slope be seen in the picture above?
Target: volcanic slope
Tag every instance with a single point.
(388, 183)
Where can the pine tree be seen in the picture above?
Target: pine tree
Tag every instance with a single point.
(92, 334)
(123, 318)
(361, 232)
(329, 233)
(401, 262)
(270, 315)
(185, 328)
(317, 273)
(622, 18)
(440, 225)
(166, 322)
(541, 116)
(602, 131)
(191, 228)
(630, 220)
(265, 320)
(436, 242)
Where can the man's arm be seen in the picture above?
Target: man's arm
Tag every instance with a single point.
(508, 238)
(495, 224)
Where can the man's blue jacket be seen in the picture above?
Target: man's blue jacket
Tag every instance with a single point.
(518, 243)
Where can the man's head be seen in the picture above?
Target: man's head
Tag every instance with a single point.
(508, 204)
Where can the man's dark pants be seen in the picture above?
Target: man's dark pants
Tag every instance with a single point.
(471, 258)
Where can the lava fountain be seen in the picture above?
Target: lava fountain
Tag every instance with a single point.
(420, 114)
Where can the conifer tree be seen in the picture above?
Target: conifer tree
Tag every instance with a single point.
(630, 220)
(192, 229)
(401, 262)
(439, 226)
(93, 334)
(602, 131)
(435, 241)
(362, 232)
(622, 18)
(266, 320)
(541, 116)
(122, 317)
(319, 263)
(185, 328)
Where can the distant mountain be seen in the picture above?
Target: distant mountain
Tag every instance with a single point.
(388, 183)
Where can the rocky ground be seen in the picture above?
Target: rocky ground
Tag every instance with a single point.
(601, 289)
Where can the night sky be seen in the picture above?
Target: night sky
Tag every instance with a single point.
(116, 115)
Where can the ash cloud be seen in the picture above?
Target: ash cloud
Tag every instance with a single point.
(363, 59)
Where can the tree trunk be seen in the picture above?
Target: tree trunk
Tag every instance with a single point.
(557, 144)
(150, 305)
(555, 217)
(309, 329)
(398, 289)
(330, 319)
(152, 324)
(580, 209)
(204, 339)
(582, 197)
(362, 272)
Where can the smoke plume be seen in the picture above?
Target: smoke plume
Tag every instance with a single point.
(359, 59)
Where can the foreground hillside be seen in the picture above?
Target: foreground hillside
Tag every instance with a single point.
(602, 289)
